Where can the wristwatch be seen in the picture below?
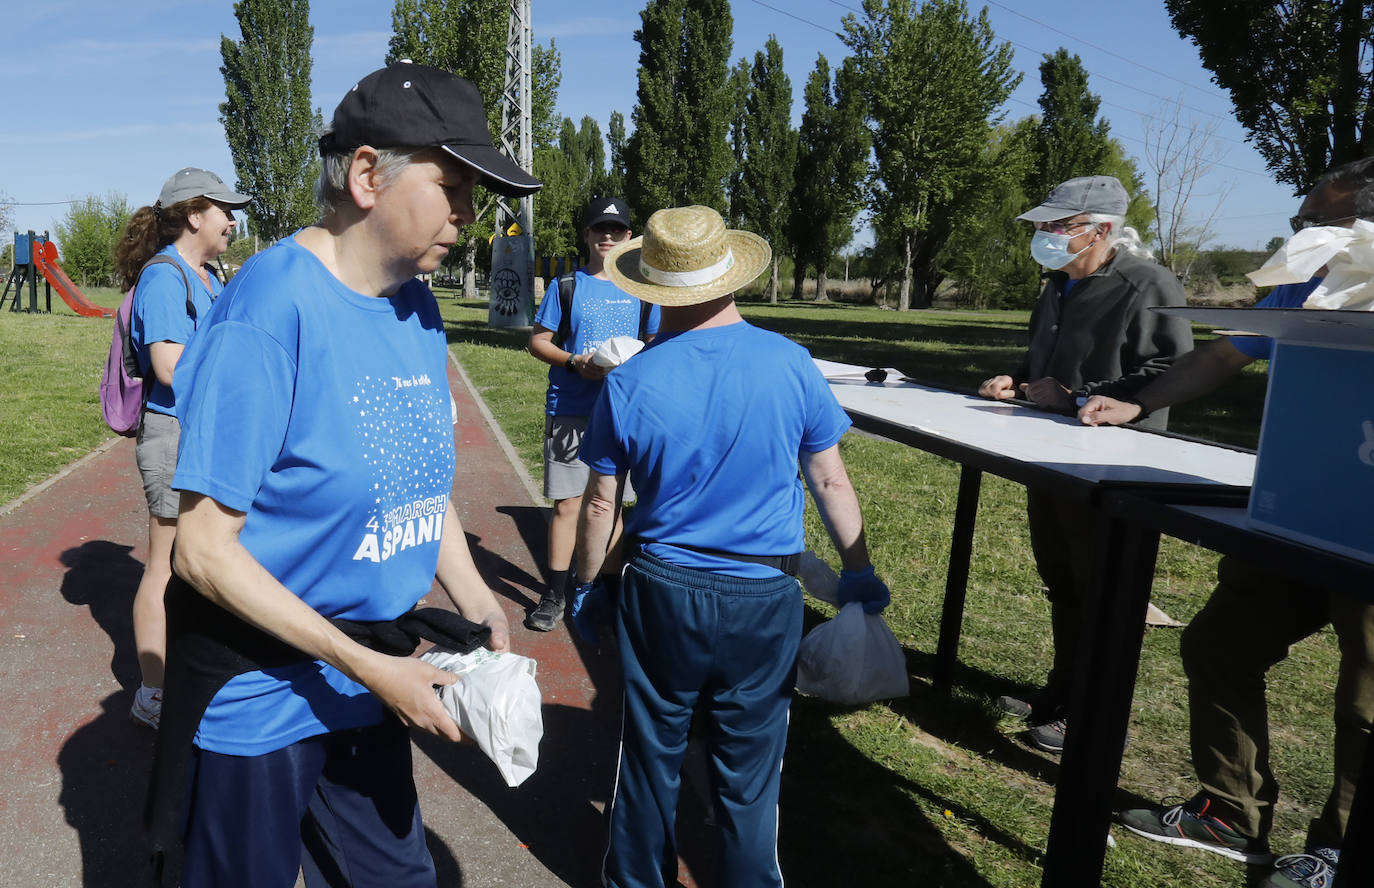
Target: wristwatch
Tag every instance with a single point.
(569, 364)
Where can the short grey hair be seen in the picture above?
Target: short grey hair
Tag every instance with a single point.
(1123, 237)
(331, 188)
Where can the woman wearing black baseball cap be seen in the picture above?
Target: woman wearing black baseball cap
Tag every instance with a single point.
(317, 461)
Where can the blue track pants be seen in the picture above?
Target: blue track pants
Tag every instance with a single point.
(689, 636)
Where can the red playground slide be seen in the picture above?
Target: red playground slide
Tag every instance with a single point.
(45, 258)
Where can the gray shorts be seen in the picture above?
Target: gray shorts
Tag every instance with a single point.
(565, 476)
(156, 452)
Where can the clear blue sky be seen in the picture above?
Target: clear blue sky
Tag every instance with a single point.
(115, 96)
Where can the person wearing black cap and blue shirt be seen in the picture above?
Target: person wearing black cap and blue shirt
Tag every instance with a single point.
(316, 465)
(598, 310)
(1091, 333)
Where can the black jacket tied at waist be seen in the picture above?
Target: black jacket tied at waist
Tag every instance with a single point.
(207, 646)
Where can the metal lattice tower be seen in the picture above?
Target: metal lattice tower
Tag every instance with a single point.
(516, 116)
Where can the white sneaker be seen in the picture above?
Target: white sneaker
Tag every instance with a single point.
(147, 708)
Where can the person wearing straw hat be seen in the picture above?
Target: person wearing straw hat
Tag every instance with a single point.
(316, 512)
(709, 422)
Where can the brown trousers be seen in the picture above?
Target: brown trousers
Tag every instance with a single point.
(1246, 627)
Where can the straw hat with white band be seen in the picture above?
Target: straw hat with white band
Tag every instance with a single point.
(687, 256)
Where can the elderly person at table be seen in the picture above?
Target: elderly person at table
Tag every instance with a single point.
(1252, 620)
(1091, 332)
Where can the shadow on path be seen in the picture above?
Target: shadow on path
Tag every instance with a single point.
(104, 763)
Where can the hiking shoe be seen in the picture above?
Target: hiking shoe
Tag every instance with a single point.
(147, 707)
(1315, 869)
(546, 616)
(1037, 702)
(1191, 826)
(1014, 705)
(1048, 737)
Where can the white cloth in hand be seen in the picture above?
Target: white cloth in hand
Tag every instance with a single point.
(496, 703)
(616, 351)
(1347, 253)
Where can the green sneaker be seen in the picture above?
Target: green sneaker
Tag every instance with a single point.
(1191, 826)
(1315, 869)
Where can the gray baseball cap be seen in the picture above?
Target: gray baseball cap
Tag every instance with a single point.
(191, 182)
(1086, 194)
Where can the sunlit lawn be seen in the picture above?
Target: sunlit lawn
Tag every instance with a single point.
(939, 791)
(921, 791)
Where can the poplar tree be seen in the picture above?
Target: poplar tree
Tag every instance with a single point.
(468, 38)
(738, 88)
(1071, 140)
(678, 152)
(268, 122)
(932, 79)
(585, 151)
(464, 37)
(615, 140)
(831, 160)
(770, 155)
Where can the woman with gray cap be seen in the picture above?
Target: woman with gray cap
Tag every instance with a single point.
(1091, 332)
(166, 249)
(316, 513)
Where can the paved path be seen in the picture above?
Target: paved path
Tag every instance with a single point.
(71, 793)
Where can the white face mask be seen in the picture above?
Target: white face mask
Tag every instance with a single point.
(1052, 250)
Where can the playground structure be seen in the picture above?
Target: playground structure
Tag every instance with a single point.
(36, 256)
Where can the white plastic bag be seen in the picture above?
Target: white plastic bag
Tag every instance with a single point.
(496, 703)
(818, 578)
(616, 351)
(853, 658)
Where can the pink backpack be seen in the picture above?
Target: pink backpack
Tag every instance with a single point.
(123, 388)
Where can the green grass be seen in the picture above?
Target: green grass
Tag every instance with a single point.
(930, 790)
(50, 368)
(920, 791)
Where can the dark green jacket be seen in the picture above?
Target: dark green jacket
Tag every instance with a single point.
(1103, 339)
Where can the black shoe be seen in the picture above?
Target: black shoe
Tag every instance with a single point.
(1014, 706)
(1193, 825)
(1038, 705)
(546, 616)
(1048, 737)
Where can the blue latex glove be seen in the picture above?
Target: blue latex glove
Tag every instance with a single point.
(864, 587)
(590, 608)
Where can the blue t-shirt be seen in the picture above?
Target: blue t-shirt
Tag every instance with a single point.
(159, 315)
(323, 415)
(1282, 296)
(709, 425)
(600, 311)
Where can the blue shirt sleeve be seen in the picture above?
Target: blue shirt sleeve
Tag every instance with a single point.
(826, 421)
(550, 312)
(601, 450)
(233, 421)
(1284, 296)
(160, 310)
(651, 328)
